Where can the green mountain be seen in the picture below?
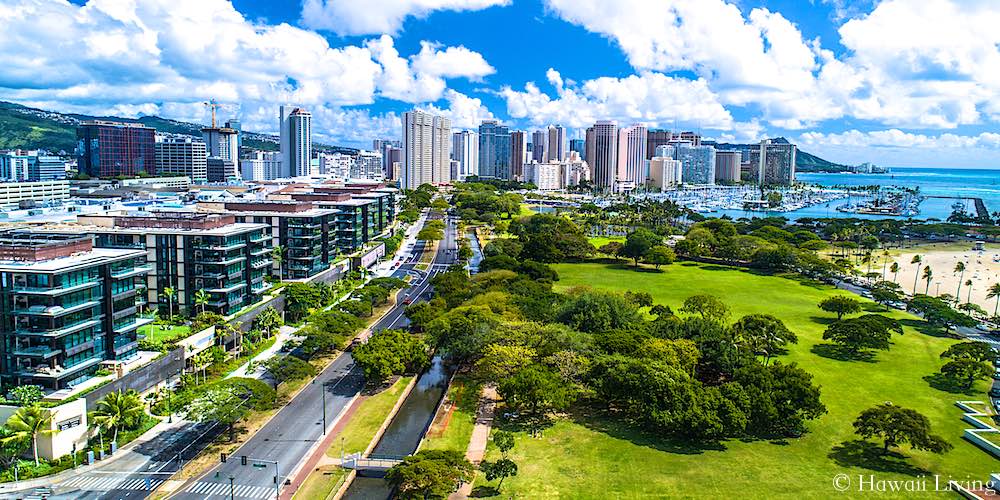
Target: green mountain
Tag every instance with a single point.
(806, 162)
(22, 127)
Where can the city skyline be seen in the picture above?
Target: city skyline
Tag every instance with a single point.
(817, 74)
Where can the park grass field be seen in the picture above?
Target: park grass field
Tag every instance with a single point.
(156, 333)
(599, 241)
(588, 456)
(456, 435)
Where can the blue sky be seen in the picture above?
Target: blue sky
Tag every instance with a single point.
(896, 82)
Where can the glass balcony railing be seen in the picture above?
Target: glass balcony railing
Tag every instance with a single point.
(41, 351)
(132, 272)
(53, 291)
(56, 311)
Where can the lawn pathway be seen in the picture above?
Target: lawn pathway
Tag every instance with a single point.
(480, 436)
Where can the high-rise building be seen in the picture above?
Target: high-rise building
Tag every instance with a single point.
(631, 172)
(579, 145)
(494, 150)
(698, 163)
(234, 123)
(539, 145)
(654, 139)
(46, 168)
(693, 138)
(295, 125)
(556, 149)
(426, 139)
(30, 166)
(664, 173)
(465, 150)
(385, 146)
(518, 153)
(338, 165)
(261, 166)
(15, 166)
(727, 167)
(111, 149)
(222, 142)
(368, 165)
(67, 306)
(394, 162)
(773, 163)
(602, 153)
(182, 156)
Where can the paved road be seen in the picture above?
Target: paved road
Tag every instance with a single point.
(290, 434)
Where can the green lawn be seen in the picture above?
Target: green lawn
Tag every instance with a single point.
(321, 484)
(162, 333)
(590, 457)
(361, 428)
(459, 431)
(599, 241)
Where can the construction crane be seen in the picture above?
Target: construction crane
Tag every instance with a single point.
(213, 105)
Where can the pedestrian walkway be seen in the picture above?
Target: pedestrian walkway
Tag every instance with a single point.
(89, 482)
(285, 333)
(480, 435)
(209, 489)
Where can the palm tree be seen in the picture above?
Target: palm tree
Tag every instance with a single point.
(968, 293)
(867, 258)
(29, 423)
(894, 269)
(278, 256)
(928, 275)
(117, 410)
(885, 261)
(916, 260)
(201, 299)
(170, 292)
(959, 268)
(994, 291)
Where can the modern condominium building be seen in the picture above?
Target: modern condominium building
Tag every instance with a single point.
(773, 163)
(426, 145)
(727, 167)
(602, 153)
(301, 231)
(494, 150)
(631, 171)
(295, 126)
(109, 149)
(465, 150)
(65, 307)
(188, 252)
(664, 173)
(556, 144)
(698, 162)
(518, 153)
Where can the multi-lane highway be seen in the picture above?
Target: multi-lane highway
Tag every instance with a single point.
(293, 431)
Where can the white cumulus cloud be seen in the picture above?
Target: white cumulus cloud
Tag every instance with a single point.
(355, 17)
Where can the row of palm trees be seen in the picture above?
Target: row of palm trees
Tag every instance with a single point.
(115, 411)
(928, 274)
(201, 298)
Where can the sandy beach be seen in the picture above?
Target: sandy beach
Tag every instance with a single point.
(982, 268)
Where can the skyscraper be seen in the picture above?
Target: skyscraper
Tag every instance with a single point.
(664, 173)
(727, 167)
(556, 150)
(109, 149)
(656, 138)
(631, 172)
(234, 123)
(384, 146)
(602, 153)
(773, 163)
(494, 150)
(578, 145)
(465, 150)
(425, 149)
(698, 163)
(222, 142)
(367, 165)
(295, 125)
(539, 145)
(518, 153)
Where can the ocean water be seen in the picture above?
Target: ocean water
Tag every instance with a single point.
(949, 182)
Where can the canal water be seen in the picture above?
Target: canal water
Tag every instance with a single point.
(406, 429)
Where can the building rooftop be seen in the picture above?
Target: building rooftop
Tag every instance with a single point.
(30, 251)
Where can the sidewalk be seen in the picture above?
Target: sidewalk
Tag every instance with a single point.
(480, 436)
(124, 451)
(285, 333)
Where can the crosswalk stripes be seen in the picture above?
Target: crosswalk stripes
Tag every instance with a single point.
(105, 483)
(223, 489)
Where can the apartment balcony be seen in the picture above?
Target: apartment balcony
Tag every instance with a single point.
(122, 349)
(57, 372)
(230, 288)
(124, 293)
(216, 261)
(261, 263)
(261, 287)
(219, 247)
(260, 251)
(55, 311)
(135, 323)
(133, 272)
(305, 225)
(124, 312)
(83, 346)
(56, 291)
(41, 352)
(235, 274)
(65, 330)
(260, 239)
